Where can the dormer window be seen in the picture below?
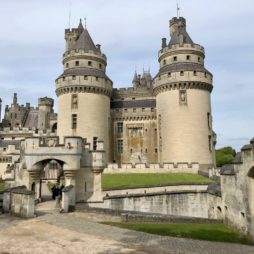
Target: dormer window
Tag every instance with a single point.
(90, 63)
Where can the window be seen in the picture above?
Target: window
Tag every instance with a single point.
(146, 150)
(95, 139)
(169, 74)
(73, 77)
(187, 57)
(90, 63)
(133, 98)
(195, 73)
(181, 73)
(143, 109)
(85, 77)
(100, 66)
(208, 120)
(119, 146)
(152, 109)
(210, 142)
(125, 110)
(198, 59)
(67, 65)
(175, 58)
(74, 101)
(205, 74)
(156, 150)
(63, 78)
(77, 63)
(74, 121)
(134, 110)
(96, 78)
(120, 127)
(164, 62)
(131, 150)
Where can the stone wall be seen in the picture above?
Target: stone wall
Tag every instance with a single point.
(183, 167)
(198, 204)
(237, 187)
(19, 201)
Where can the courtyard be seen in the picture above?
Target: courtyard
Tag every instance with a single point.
(53, 232)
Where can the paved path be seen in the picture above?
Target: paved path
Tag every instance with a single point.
(52, 232)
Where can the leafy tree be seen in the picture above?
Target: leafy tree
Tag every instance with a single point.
(224, 156)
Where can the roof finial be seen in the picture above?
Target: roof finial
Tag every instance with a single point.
(85, 22)
(178, 9)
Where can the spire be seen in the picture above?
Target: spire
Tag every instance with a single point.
(85, 42)
(80, 26)
(135, 78)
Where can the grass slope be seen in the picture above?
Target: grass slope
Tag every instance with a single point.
(209, 232)
(110, 181)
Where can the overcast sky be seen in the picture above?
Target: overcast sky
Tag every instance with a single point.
(130, 32)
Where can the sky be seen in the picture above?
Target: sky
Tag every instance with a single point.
(130, 32)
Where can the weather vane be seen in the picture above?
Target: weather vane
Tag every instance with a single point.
(178, 9)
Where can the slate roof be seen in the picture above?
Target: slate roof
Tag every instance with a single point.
(175, 39)
(84, 72)
(85, 42)
(32, 119)
(177, 67)
(5, 143)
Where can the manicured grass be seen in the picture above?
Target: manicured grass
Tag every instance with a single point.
(2, 186)
(209, 232)
(110, 181)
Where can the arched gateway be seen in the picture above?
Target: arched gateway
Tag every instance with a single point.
(81, 166)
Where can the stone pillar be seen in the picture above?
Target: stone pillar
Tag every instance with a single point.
(35, 178)
(70, 179)
(97, 189)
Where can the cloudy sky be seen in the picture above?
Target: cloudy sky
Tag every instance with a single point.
(130, 32)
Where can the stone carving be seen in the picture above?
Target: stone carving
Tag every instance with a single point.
(182, 97)
(51, 143)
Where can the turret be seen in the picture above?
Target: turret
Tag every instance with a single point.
(183, 89)
(45, 105)
(84, 89)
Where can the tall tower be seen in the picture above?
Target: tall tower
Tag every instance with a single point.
(183, 89)
(83, 90)
(45, 109)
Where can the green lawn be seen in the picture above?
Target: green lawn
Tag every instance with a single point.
(209, 232)
(110, 181)
(2, 186)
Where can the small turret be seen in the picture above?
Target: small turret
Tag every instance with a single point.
(45, 109)
(135, 81)
(15, 99)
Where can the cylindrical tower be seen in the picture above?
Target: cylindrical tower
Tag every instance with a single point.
(83, 90)
(183, 96)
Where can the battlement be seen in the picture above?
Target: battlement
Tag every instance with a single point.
(177, 20)
(45, 101)
(82, 52)
(184, 47)
(180, 167)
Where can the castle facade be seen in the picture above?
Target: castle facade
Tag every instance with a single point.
(161, 119)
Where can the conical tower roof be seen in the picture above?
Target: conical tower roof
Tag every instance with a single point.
(85, 41)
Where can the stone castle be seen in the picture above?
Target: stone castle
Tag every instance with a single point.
(167, 118)
(159, 124)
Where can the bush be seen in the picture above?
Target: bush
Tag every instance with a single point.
(224, 156)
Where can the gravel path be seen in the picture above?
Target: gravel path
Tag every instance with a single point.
(52, 232)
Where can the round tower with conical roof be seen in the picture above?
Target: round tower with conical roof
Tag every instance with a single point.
(84, 89)
(183, 97)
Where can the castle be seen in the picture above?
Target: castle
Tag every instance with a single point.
(165, 119)
(160, 124)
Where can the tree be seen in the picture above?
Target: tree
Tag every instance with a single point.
(224, 156)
